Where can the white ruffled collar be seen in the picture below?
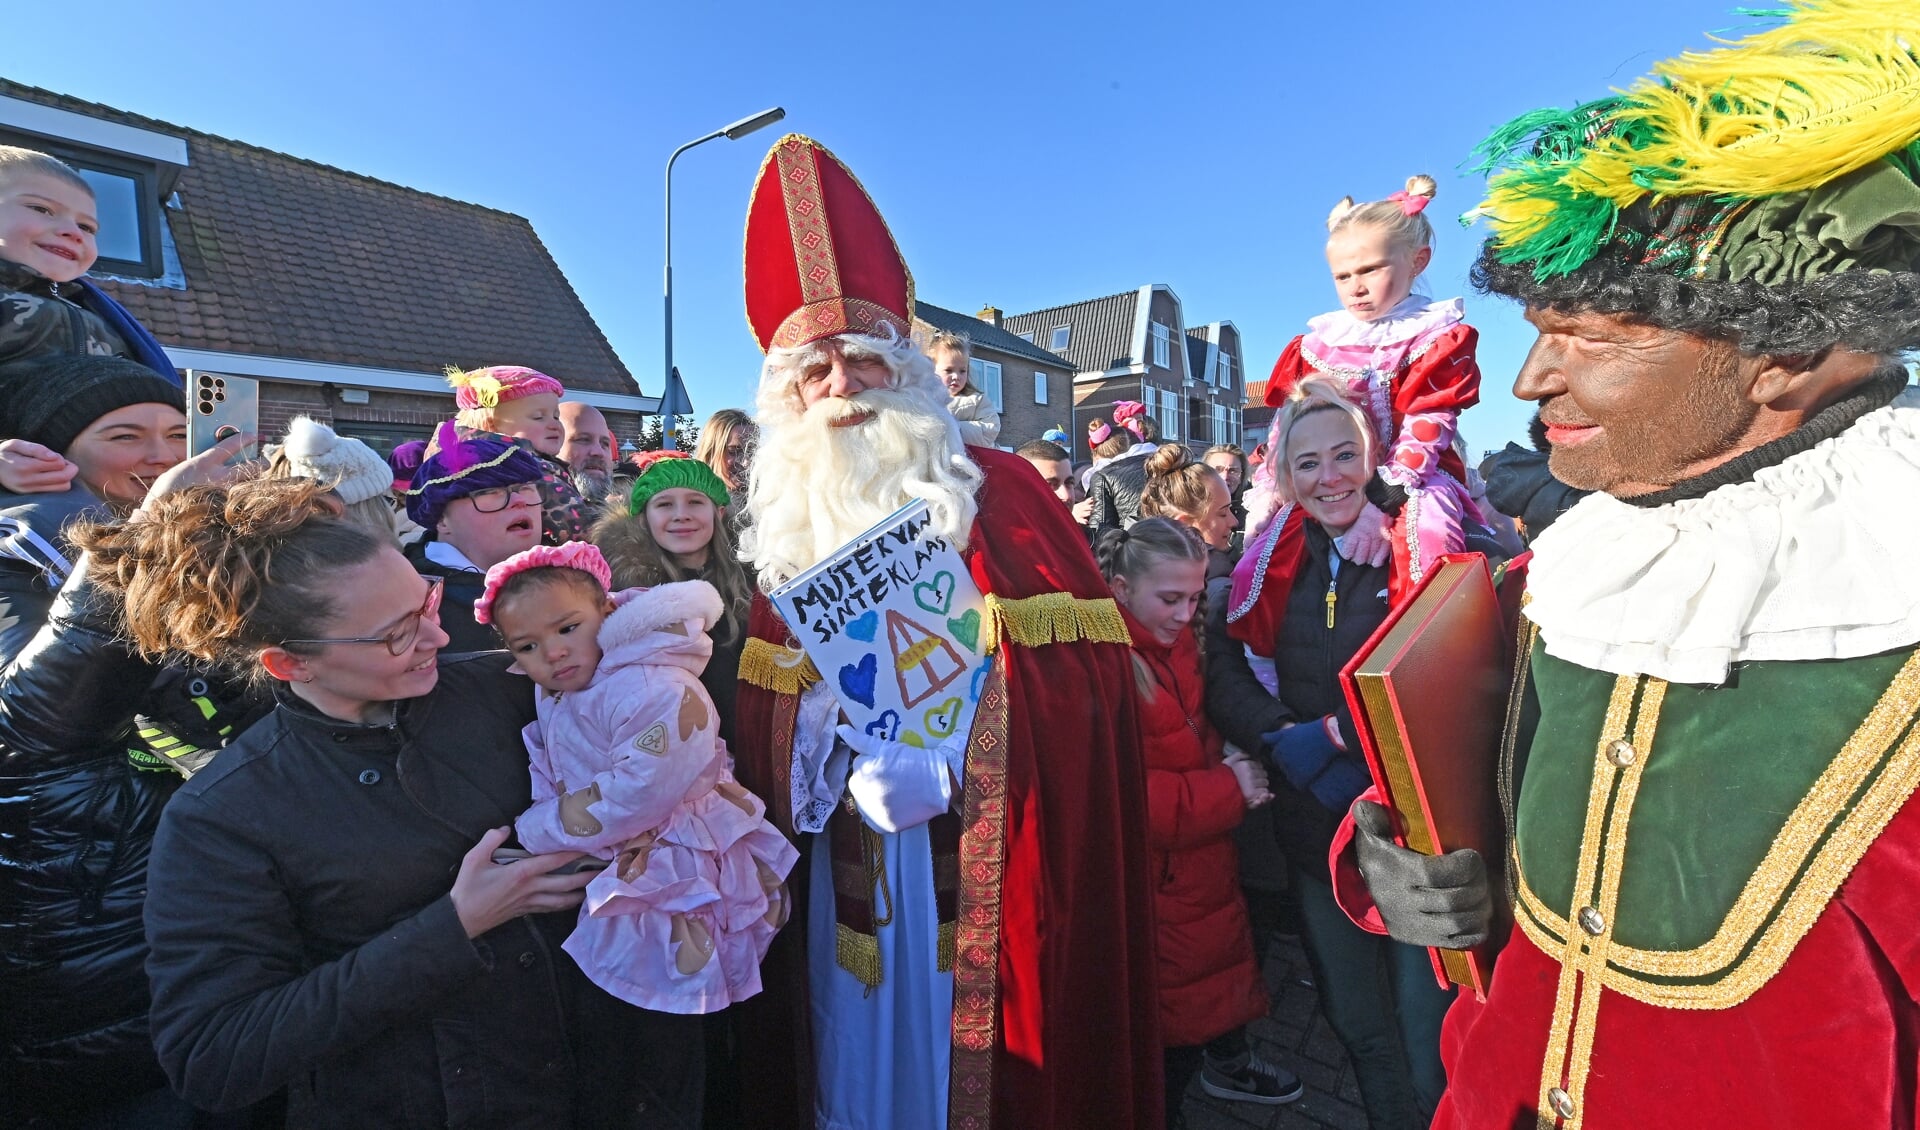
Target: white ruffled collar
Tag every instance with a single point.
(1415, 315)
(1809, 559)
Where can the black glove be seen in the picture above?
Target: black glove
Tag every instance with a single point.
(1425, 900)
(1388, 498)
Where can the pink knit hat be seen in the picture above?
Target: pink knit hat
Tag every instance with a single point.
(569, 555)
(494, 385)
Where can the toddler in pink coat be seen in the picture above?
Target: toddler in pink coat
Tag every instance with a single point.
(628, 766)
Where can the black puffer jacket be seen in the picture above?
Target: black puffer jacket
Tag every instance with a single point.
(1307, 659)
(301, 932)
(76, 823)
(1116, 493)
(80, 798)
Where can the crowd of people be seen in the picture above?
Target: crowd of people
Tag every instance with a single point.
(479, 783)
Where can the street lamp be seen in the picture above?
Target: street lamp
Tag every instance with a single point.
(671, 389)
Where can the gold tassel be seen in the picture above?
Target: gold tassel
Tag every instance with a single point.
(1055, 617)
(949, 945)
(858, 954)
(777, 669)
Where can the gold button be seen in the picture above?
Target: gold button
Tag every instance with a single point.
(1591, 921)
(1621, 753)
(1561, 1102)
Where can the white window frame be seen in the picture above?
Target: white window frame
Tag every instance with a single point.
(1039, 387)
(985, 376)
(1060, 338)
(1225, 368)
(1162, 337)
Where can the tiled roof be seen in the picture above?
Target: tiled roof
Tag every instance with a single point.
(1257, 393)
(985, 334)
(286, 257)
(1102, 330)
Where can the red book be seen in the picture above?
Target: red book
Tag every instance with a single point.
(1429, 695)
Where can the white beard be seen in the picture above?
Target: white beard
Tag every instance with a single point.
(816, 487)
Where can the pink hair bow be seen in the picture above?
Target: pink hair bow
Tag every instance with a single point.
(1409, 203)
(1098, 431)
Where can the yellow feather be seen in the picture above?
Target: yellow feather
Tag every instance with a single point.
(1833, 90)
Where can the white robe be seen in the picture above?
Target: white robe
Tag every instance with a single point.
(883, 1053)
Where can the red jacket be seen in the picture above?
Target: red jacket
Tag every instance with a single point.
(1209, 980)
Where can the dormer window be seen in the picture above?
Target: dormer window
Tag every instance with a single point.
(1059, 339)
(130, 169)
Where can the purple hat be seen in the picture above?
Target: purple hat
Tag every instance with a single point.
(458, 467)
(405, 460)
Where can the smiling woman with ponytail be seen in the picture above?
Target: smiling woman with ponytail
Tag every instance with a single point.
(323, 907)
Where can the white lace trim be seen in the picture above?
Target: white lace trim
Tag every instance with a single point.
(1260, 565)
(1416, 314)
(1810, 559)
(815, 787)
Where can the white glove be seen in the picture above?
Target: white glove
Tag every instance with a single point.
(1367, 542)
(898, 786)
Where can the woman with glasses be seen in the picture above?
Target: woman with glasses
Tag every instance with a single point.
(325, 912)
(480, 499)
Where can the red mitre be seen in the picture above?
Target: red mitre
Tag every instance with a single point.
(820, 260)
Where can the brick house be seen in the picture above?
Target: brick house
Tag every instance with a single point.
(1032, 388)
(249, 262)
(1136, 345)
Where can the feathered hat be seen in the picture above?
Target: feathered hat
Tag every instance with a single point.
(1788, 155)
(819, 259)
(496, 384)
(455, 468)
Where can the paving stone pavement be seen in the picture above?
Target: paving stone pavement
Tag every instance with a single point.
(1295, 1036)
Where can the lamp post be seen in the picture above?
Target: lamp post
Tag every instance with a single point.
(670, 388)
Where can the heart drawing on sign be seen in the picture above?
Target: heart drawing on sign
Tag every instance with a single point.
(980, 678)
(966, 629)
(856, 679)
(935, 595)
(862, 628)
(886, 727)
(941, 719)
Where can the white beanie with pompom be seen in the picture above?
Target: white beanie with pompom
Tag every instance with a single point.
(355, 471)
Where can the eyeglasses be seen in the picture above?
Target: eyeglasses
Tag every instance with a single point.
(401, 639)
(492, 500)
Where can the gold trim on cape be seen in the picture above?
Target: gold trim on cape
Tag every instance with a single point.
(1054, 617)
(976, 959)
(782, 670)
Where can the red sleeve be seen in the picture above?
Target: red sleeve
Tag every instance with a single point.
(1343, 864)
(1187, 808)
(1286, 373)
(1444, 378)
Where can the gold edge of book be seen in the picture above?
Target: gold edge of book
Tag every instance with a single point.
(1401, 792)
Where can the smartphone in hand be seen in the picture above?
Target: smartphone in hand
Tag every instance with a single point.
(219, 406)
(584, 863)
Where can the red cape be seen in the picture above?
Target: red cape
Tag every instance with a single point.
(1075, 1039)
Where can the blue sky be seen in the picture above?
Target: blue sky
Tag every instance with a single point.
(1025, 155)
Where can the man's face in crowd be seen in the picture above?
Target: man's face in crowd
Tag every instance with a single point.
(1059, 476)
(1631, 408)
(588, 445)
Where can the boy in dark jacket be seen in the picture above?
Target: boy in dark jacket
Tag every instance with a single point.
(48, 232)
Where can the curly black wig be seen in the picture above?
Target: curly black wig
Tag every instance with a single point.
(1866, 311)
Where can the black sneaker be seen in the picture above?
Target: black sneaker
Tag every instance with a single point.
(1255, 1081)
